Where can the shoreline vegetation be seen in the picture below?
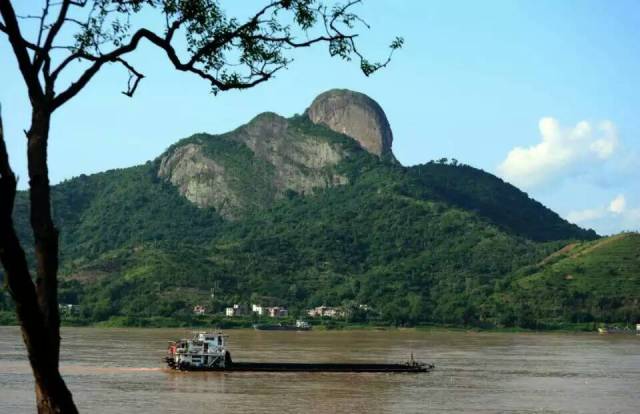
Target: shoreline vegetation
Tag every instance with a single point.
(217, 322)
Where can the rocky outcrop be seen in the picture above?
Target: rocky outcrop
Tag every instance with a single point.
(202, 180)
(356, 115)
(251, 167)
(301, 162)
(271, 156)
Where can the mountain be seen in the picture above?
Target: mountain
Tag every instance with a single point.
(301, 211)
(253, 166)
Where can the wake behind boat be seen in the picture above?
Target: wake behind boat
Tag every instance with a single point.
(207, 352)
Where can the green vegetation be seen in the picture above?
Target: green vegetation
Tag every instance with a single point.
(596, 281)
(505, 205)
(106, 211)
(440, 243)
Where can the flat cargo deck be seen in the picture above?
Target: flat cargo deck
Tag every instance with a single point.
(320, 367)
(316, 367)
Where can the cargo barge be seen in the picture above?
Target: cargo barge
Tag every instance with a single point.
(207, 352)
(299, 326)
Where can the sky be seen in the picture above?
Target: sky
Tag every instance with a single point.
(543, 94)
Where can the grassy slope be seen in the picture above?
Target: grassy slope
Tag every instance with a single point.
(583, 282)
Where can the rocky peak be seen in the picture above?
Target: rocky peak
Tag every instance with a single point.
(267, 124)
(356, 115)
(254, 165)
(251, 167)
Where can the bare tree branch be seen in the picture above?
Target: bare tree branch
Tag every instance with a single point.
(53, 32)
(18, 44)
(248, 33)
(113, 56)
(134, 78)
(43, 18)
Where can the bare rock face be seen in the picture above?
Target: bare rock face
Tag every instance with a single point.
(251, 167)
(272, 157)
(356, 115)
(200, 179)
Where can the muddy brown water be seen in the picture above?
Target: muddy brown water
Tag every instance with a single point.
(120, 371)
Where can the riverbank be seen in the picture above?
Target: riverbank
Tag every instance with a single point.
(208, 321)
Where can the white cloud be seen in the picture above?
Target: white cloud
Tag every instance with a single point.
(590, 214)
(559, 152)
(612, 218)
(618, 205)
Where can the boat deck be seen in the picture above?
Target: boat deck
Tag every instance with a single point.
(317, 367)
(332, 367)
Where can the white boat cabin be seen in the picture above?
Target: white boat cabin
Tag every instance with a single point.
(203, 351)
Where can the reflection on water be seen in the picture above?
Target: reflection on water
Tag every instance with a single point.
(120, 370)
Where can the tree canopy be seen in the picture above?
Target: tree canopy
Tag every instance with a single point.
(197, 36)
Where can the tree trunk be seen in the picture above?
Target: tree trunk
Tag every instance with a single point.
(36, 305)
(45, 234)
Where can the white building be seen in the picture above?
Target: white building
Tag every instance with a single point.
(327, 311)
(237, 310)
(277, 312)
(258, 309)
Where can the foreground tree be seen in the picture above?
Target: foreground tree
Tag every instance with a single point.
(82, 36)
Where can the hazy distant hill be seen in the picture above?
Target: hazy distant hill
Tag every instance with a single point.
(302, 214)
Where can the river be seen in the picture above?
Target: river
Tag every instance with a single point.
(120, 371)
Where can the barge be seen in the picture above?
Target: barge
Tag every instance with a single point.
(207, 352)
(299, 326)
(603, 330)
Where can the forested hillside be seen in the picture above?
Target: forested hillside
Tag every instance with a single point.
(440, 243)
(489, 196)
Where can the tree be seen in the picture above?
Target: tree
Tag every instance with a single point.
(226, 52)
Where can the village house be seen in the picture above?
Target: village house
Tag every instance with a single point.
(325, 311)
(277, 312)
(270, 311)
(258, 309)
(237, 310)
(199, 310)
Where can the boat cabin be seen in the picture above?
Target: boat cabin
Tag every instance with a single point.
(205, 350)
(211, 340)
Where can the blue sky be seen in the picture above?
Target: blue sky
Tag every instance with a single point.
(544, 94)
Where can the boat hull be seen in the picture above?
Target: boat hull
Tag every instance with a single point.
(331, 367)
(311, 367)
